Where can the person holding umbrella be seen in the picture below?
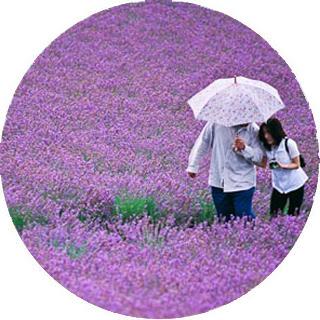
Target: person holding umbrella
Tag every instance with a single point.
(232, 107)
(232, 174)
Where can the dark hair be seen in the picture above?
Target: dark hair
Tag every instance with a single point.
(274, 127)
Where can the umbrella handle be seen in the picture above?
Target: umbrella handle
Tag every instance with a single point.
(235, 79)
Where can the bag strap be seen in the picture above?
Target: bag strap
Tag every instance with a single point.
(286, 145)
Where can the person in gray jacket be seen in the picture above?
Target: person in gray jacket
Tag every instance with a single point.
(235, 152)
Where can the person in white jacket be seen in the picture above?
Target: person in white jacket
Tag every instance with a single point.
(235, 151)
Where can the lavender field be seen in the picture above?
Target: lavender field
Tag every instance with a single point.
(94, 151)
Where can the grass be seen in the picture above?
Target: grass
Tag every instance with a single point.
(129, 208)
(286, 208)
(126, 207)
(207, 212)
(75, 252)
(72, 250)
(22, 218)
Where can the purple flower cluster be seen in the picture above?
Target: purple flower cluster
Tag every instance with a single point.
(102, 112)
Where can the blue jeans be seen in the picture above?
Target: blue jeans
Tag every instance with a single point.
(237, 203)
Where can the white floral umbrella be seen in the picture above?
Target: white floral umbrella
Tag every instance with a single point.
(236, 101)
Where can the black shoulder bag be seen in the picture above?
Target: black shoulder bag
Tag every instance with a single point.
(302, 161)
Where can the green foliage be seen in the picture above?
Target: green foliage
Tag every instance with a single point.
(86, 157)
(55, 243)
(130, 207)
(72, 250)
(17, 218)
(281, 212)
(207, 212)
(286, 208)
(203, 211)
(66, 194)
(82, 217)
(86, 214)
(22, 218)
(75, 252)
(153, 240)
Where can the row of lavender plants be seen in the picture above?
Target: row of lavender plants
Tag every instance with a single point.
(161, 270)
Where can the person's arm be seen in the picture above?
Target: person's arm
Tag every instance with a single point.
(295, 164)
(263, 163)
(201, 147)
(253, 152)
(294, 155)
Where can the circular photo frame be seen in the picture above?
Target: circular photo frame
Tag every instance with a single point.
(159, 159)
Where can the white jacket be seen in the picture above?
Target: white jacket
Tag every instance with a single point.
(229, 169)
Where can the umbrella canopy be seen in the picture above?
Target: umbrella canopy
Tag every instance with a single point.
(236, 101)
